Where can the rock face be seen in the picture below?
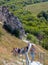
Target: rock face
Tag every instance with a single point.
(11, 22)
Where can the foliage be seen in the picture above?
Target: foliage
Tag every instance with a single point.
(32, 38)
(38, 27)
(37, 8)
(35, 26)
(43, 14)
(16, 33)
(9, 29)
(45, 43)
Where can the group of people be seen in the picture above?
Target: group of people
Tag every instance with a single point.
(17, 51)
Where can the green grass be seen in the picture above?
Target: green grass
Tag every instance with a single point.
(7, 41)
(37, 8)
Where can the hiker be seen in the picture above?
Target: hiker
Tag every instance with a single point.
(24, 50)
(32, 52)
(18, 50)
(14, 51)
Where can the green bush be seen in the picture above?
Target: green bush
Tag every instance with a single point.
(45, 43)
(29, 37)
(16, 33)
(43, 14)
(32, 38)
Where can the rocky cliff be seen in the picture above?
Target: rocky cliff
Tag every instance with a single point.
(11, 23)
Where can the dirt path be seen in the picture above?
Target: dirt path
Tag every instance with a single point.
(40, 50)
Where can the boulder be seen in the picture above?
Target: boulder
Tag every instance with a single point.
(11, 22)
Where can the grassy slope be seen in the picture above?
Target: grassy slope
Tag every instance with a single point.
(7, 43)
(36, 8)
(10, 41)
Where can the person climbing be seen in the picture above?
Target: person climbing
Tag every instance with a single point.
(32, 52)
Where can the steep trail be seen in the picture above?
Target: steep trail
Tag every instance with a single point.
(13, 41)
(37, 47)
(8, 38)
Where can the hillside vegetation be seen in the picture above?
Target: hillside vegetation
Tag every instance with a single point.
(33, 14)
(7, 43)
(36, 27)
(17, 4)
(37, 8)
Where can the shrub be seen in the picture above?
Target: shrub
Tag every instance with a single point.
(43, 14)
(45, 43)
(32, 38)
(12, 7)
(16, 33)
(29, 37)
(7, 27)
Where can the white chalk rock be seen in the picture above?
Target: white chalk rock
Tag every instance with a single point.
(35, 63)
